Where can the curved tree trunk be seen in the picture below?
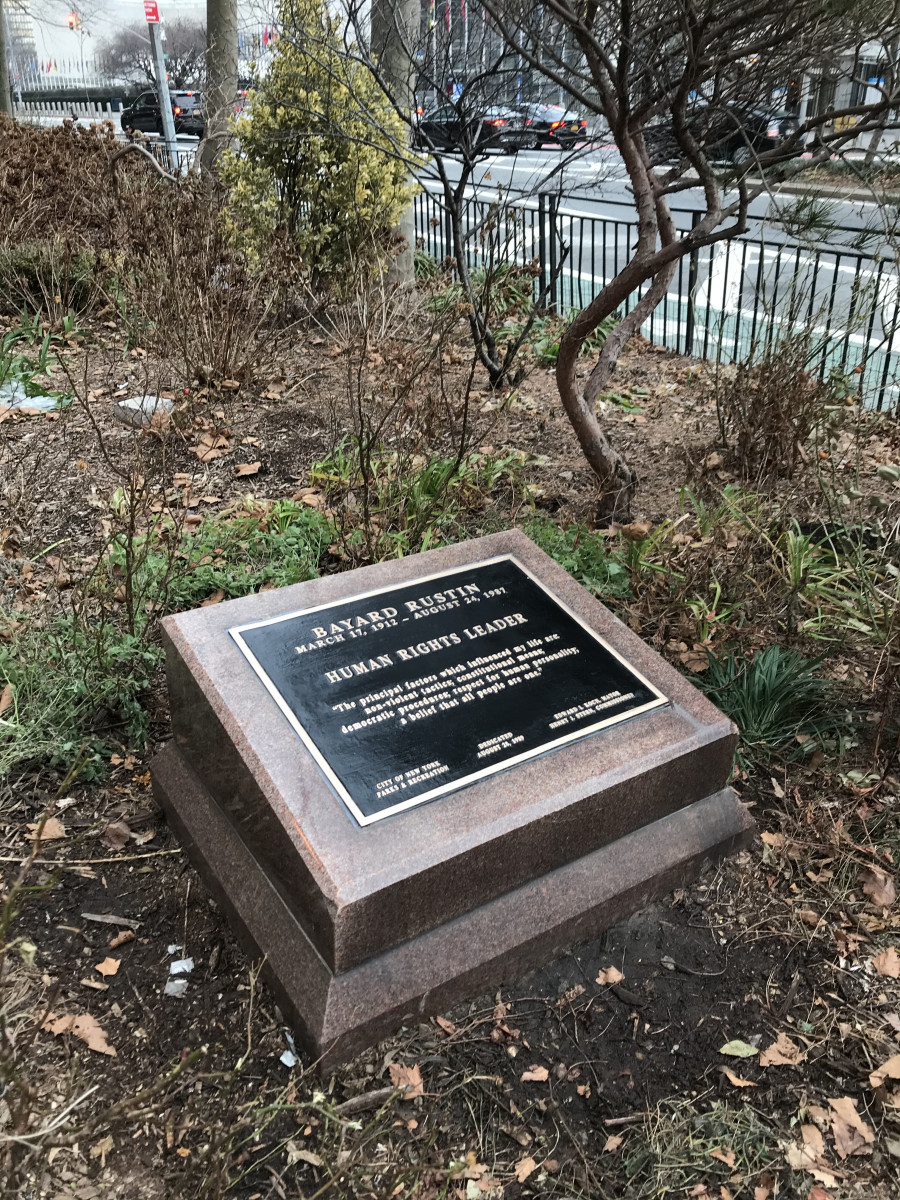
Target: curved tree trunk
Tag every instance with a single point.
(617, 480)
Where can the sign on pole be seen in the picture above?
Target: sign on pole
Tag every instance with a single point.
(151, 12)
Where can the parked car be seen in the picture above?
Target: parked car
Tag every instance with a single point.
(144, 114)
(553, 123)
(495, 128)
(735, 133)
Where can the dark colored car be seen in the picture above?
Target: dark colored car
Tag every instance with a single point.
(553, 123)
(496, 128)
(734, 133)
(144, 114)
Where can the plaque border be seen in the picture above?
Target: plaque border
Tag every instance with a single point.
(457, 784)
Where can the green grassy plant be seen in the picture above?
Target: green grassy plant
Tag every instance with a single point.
(396, 504)
(783, 707)
(46, 275)
(674, 1154)
(79, 684)
(70, 688)
(268, 546)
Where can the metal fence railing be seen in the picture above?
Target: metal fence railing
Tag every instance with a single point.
(185, 156)
(726, 302)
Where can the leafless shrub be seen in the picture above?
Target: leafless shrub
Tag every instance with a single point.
(768, 407)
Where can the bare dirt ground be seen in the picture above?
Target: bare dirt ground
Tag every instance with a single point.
(737, 1041)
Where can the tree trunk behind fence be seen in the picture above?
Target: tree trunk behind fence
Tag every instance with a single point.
(6, 104)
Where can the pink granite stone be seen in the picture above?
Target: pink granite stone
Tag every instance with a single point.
(360, 897)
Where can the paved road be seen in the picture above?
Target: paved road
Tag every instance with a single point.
(594, 181)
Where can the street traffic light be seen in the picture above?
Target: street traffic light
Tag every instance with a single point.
(74, 20)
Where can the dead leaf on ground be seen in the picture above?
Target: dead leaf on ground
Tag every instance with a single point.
(878, 886)
(297, 1154)
(407, 1078)
(887, 963)
(524, 1168)
(127, 935)
(229, 385)
(805, 1158)
(818, 1193)
(609, 975)
(782, 1053)
(847, 943)
(109, 966)
(448, 1027)
(695, 660)
(636, 531)
(813, 1140)
(52, 830)
(6, 698)
(613, 1142)
(102, 1148)
(247, 468)
(211, 445)
(887, 1070)
(851, 1133)
(216, 598)
(535, 1074)
(116, 835)
(84, 1027)
(726, 1156)
(736, 1079)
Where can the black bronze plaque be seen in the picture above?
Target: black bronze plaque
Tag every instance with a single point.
(411, 692)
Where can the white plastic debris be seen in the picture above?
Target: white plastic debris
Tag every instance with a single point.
(176, 987)
(140, 410)
(289, 1058)
(181, 966)
(14, 395)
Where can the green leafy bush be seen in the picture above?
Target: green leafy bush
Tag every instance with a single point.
(280, 545)
(584, 554)
(316, 153)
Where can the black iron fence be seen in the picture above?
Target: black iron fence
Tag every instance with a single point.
(726, 302)
(178, 161)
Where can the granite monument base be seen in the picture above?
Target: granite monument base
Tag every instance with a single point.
(408, 783)
(336, 1016)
